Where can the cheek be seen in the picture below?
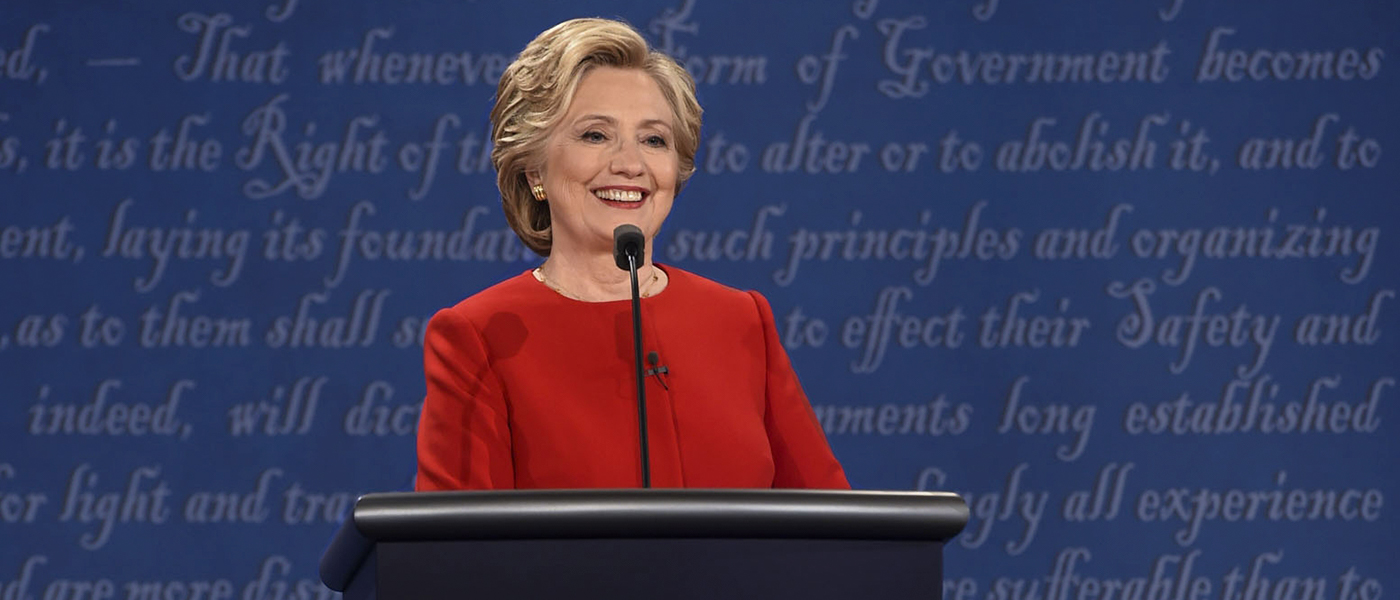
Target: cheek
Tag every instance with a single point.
(667, 172)
(571, 164)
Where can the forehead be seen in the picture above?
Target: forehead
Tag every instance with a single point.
(623, 94)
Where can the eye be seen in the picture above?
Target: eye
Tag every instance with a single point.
(656, 141)
(594, 136)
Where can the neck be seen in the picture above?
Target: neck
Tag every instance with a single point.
(595, 277)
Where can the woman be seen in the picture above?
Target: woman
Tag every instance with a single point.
(531, 383)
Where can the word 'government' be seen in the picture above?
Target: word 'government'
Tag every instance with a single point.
(917, 65)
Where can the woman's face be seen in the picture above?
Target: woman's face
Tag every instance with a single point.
(611, 160)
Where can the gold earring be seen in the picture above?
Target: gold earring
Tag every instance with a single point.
(538, 191)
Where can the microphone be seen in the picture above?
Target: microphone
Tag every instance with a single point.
(658, 370)
(628, 241)
(629, 246)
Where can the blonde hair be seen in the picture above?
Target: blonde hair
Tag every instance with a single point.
(535, 92)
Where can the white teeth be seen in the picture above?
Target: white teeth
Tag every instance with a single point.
(619, 195)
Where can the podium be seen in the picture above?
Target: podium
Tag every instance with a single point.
(657, 543)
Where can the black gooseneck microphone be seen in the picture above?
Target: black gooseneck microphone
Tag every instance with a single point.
(629, 246)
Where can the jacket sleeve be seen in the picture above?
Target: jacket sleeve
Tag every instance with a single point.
(802, 458)
(464, 433)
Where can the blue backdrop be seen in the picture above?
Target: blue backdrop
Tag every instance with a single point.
(1121, 273)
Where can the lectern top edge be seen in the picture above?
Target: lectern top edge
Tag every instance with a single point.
(639, 514)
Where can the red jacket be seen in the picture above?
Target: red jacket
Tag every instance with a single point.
(529, 389)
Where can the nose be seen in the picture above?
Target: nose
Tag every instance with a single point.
(627, 159)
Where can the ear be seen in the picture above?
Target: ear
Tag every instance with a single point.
(534, 177)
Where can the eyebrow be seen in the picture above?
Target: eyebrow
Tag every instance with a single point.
(613, 122)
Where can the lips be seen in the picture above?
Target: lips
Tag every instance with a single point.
(620, 194)
(621, 197)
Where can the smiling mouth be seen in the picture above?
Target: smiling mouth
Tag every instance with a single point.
(620, 197)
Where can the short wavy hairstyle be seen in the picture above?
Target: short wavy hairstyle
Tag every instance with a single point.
(535, 92)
